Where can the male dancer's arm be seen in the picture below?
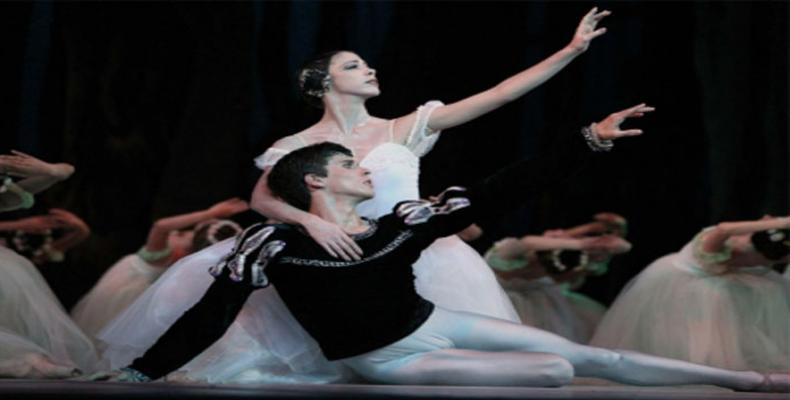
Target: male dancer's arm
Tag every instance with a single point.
(457, 208)
(209, 319)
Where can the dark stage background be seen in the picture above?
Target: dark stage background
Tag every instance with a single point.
(162, 107)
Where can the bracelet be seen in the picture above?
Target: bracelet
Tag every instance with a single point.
(596, 143)
(151, 256)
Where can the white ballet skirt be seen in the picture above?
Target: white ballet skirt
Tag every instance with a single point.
(265, 344)
(34, 324)
(545, 304)
(116, 289)
(736, 319)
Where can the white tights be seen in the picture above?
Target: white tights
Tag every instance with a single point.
(457, 348)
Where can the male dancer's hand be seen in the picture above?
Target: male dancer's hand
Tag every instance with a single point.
(609, 127)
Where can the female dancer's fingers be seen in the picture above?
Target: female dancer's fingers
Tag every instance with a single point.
(21, 154)
(341, 251)
(601, 15)
(596, 33)
(328, 249)
(353, 247)
(349, 249)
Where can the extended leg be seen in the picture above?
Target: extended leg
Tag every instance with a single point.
(470, 331)
(467, 368)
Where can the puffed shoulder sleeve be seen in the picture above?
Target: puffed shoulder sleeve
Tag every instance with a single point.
(421, 138)
(270, 157)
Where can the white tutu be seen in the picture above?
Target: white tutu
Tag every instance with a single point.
(32, 321)
(736, 320)
(264, 344)
(116, 289)
(544, 304)
(454, 276)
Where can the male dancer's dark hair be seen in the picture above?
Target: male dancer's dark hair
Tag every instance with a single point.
(286, 179)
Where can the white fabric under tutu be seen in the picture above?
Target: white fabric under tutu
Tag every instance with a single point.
(116, 289)
(544, 304)
(32, 321)
(264, 344)
(736, 320)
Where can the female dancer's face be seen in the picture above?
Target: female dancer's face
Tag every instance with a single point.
(350, 74)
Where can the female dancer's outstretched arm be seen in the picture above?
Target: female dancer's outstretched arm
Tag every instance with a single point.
(517, 85)
(715, 240)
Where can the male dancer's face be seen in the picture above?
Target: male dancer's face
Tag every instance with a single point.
(346, 178)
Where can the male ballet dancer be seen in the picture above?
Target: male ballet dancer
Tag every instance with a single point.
(367, 314)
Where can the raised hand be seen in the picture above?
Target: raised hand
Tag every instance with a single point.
(609, 127)
(333, 239)
(229, 207)
(586, 32)
(24, 165)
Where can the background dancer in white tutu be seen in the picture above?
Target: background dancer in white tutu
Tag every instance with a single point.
(33, 237)
(37, 337)
(367, 315)
(169, 240)
(539, 273)
(449, 273)
(716, 302)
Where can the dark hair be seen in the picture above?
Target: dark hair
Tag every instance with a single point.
(213, 231)
(313, 78)
(286, 180)
(773, 244)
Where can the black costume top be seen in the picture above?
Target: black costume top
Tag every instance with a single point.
(349, 307)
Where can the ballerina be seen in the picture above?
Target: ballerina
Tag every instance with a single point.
(716, 302)
(37, 337)
(450, 273)
(169, 240)
(539, 273)
(70, 229)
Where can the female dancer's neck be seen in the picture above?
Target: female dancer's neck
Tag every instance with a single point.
(346, 115)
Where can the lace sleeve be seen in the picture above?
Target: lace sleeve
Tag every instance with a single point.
(421, 139)
(270, 157)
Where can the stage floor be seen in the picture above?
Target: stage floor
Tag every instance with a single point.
(12, 389)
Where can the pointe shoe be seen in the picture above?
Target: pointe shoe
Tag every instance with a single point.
(774, 383)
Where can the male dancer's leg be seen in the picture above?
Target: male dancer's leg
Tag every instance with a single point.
(464, 348)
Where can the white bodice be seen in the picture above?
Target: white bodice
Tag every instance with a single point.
(395, 171)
